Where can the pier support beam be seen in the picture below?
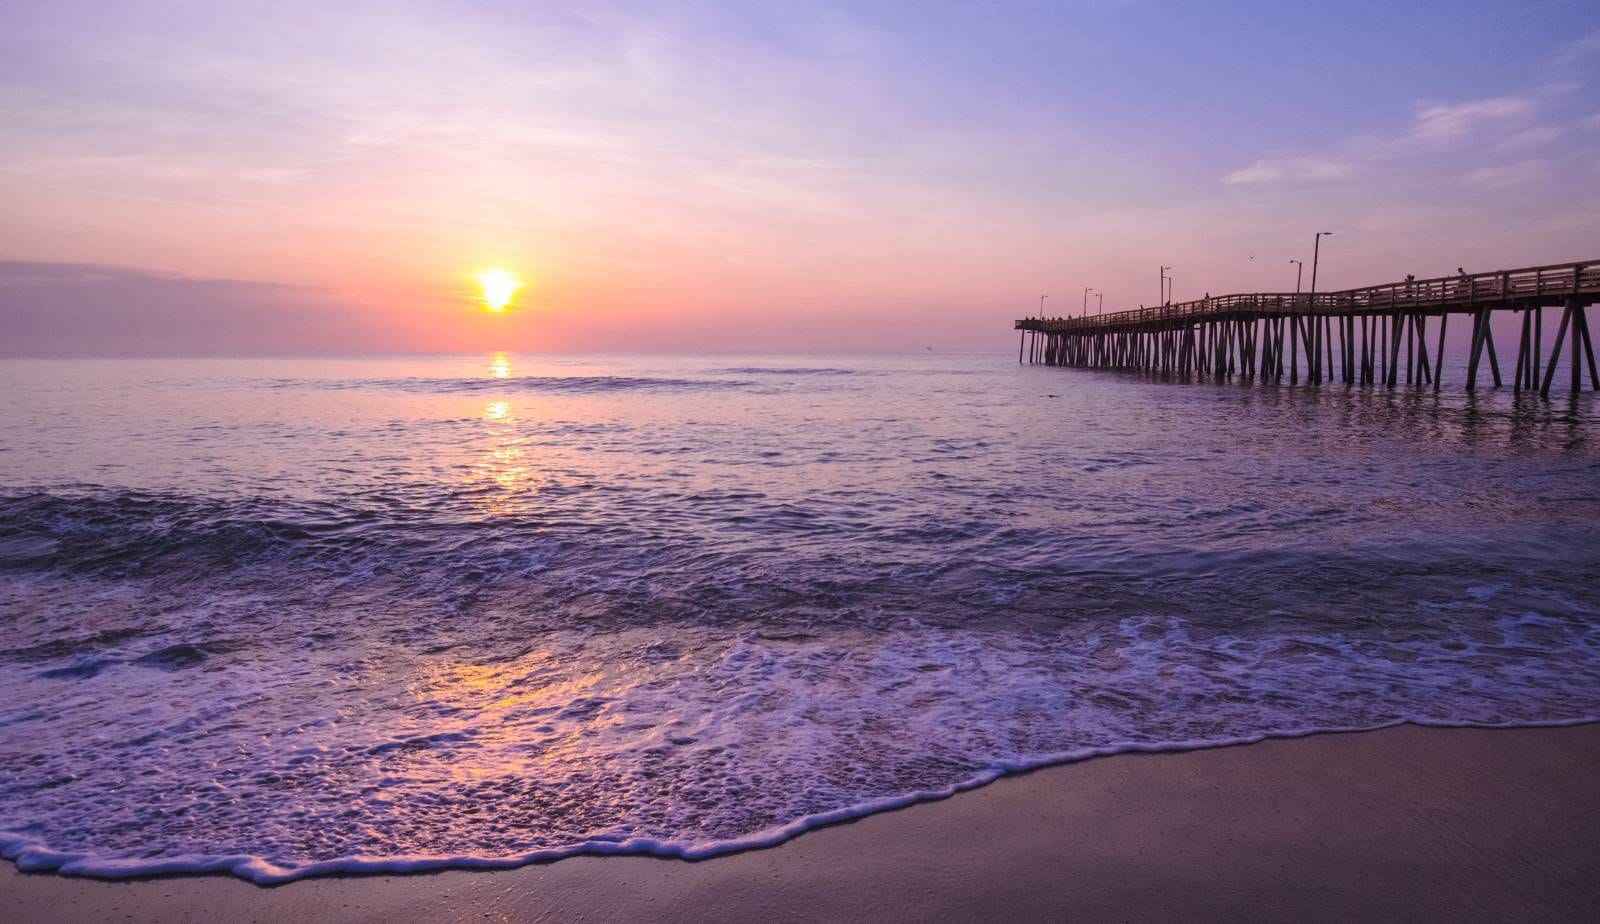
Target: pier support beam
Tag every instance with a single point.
(1555, 349)
(1581, 318)
(1480, 326)
(1522, 352)
(1438, 359)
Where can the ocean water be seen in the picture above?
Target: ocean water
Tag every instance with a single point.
(284, 617)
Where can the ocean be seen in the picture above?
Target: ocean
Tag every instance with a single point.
(282, 617)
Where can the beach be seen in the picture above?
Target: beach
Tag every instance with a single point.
(1406, 823)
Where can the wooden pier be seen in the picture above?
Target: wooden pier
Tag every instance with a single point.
(1368, 336)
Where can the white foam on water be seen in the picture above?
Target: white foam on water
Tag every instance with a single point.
(621, 743)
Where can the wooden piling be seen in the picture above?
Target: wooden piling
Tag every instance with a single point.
(1488, 341)
(1581, 317)
(1438, 359)
(1477, 350)
(1555, 351)
(1425, 372)
(1522, 352)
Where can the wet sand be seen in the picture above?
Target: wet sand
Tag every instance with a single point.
(1406, 823)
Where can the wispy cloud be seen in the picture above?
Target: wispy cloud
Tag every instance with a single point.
(1507, 175)
(1288, 170)
(1438, 135)
(1437, 127)
(1577, 50)
(16, 274)
(1537, 136)
(1444, 123)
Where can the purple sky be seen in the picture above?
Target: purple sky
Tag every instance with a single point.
(215, 177)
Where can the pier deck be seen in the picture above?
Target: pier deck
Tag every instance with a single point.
(1356, 336)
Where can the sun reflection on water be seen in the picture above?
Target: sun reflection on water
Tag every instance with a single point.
(507, 467)
(503, 461)
(537, 710)
(500, 366)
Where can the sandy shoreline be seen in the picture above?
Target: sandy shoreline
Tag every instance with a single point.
(1401, 823)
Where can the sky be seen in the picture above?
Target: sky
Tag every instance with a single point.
(288, 177)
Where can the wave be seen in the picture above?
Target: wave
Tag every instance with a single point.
(674, 673)
(119, 533)
(30, 854)
(565, 384)
(784, 370)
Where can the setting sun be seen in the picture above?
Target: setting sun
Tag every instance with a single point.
(498, 287)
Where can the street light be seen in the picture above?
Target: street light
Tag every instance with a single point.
(1162, 295)
(1102, 298)
(1317, 335)
(1086, 292)
(1041, 306)
(1316, 244)
(1299, 267)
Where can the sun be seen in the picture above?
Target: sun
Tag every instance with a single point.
(498, 287)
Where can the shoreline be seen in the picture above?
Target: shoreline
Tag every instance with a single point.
(30, 857)
(1405, 821)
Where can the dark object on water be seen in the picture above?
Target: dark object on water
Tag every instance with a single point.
(82, 670)
(173, 657)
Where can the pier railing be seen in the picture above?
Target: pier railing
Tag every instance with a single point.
(1459, 293)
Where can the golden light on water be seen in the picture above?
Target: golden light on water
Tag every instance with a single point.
(498, 288)
(505, 461)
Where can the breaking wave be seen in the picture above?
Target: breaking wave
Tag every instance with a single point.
(282, 689)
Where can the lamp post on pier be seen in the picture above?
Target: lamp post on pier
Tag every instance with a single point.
(1086, 292)
(1101, 296)
(1299, 268)
(1316, 246)
(1162, 295)
(1317, 327)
